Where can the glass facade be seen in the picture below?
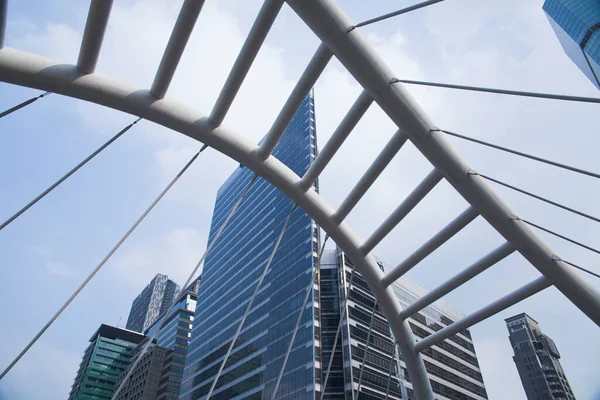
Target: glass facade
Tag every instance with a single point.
(452, 365)
(174, 337)
(107, 356)
(153, 301)
(230, 274)
(577, 26)
(537, 360)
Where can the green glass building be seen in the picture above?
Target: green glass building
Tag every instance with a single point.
(108, 354)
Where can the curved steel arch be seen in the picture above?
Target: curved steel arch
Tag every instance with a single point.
(332, 27)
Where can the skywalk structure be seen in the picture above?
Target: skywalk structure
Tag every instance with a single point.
(341, 39)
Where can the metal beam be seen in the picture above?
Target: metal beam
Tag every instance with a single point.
(409, 203)
(30, 70)
(93, 35)
(329, 23)
(3, 7)
(501, 304)
(431, 245)
(265, 19)
(188, 15)
(367, 180)
(475, 269)
(501, 91)
(358, 109)
(308, 79)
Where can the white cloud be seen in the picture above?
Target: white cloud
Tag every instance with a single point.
(47, 259)
(175, 253)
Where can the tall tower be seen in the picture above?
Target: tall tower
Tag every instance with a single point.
(577, 26)
(230, 275)
(153, 301)
(451, 365)
(537, 360)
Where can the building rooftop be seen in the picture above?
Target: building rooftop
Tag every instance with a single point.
(112, 332)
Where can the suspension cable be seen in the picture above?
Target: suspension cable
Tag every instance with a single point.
(394, 13)
(535, 196)
(339, 327)
(580, 268)
(249, 306)
(362, 367)
(559, 235)
(23, 104)
(300, 314)
(187, 283)
(67, 175)
(518, 153)
(100, 265)
(501, 91)
(387, 387)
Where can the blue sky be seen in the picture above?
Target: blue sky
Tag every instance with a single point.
(49, 250)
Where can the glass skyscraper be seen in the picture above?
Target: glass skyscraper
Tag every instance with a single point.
(107, 356)
(577, 26)
(230, 275)
(537, 360)
(153, 301)
(451, 365)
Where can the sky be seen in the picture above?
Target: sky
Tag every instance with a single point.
(48, 251)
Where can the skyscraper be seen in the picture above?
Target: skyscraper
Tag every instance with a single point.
(230, 275)
(157, 376)
(153, 301)
(107, 356)
(577, 26)
(537, 360)
(451, 365)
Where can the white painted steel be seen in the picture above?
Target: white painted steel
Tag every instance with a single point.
(334, 30)
(329, 23)
(93, 35)
(186, 20)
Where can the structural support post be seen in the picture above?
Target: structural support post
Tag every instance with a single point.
(190, 10)
(358, 109)
(481, 265)
(329, 23)
(503, 303)
(93, 35)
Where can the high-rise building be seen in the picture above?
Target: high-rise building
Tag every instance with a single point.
(174, 337)
(157, 376)
(107, 356)
(230, 276)
(153, 301)
(142, 384)
(577, 26)
(538, 360)
(451, 365)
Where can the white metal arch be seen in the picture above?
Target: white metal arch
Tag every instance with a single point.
(334, 30)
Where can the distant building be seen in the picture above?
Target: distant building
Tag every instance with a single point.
(577, 26)
(143, 382)
(107, 356)
(537, 360)
(451, 365)
(154, 300)
(174, 337)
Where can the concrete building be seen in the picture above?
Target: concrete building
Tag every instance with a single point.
(577, 26)
(537, 360)
(153, 301)
(107, 356)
